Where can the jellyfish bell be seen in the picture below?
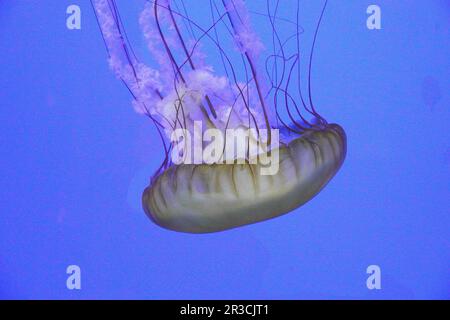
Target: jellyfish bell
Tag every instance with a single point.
(208, 198)
(280, 167)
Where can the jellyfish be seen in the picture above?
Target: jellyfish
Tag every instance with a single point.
(260, 101)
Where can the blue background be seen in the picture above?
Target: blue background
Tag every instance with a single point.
(75, 159)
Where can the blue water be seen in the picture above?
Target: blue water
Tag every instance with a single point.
(75, 159)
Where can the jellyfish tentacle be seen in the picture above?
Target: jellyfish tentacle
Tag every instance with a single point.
(280, 54)
(188, 57)
(286, 95)
(300, 93)
(128, 69)
(230, 6)
(224, 55)
(205, 33)
(322, 120)
(250, 115)
(118, 48)
(177, 68)
(166, 46)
